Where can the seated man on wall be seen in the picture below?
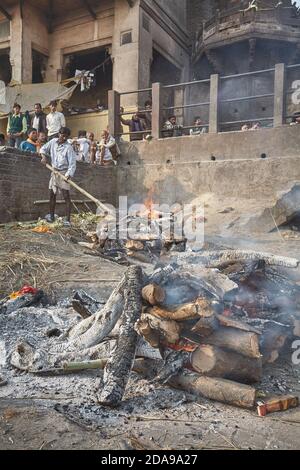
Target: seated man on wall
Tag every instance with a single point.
(109, 150)
(198, 127)
(93, 147)
(295, 119)
(255, 126)
(63, 159)
(81, 147)
(16, 127)
(171, 128)
(245, 127)
(31, 144)
(136, 125)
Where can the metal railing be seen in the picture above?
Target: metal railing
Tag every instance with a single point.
(215, 104)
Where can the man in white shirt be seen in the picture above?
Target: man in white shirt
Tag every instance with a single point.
(55, 120)
(63, 159)
(109, 150)
(81, 146)
(198, 127)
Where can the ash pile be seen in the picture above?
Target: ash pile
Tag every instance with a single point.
(207, 325)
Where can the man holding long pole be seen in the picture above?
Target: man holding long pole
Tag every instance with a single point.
(63, 160)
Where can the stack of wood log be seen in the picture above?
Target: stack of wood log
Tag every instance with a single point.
(190, 324)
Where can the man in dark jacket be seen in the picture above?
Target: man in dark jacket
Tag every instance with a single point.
(39, 119)
(136, 124)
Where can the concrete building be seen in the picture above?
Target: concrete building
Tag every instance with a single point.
(139, 42)
(232, 37)
(47, 40)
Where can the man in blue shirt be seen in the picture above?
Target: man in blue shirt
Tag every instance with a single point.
(63, 159)
(31, 144)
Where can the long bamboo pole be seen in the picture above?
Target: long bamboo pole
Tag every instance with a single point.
(81, 190)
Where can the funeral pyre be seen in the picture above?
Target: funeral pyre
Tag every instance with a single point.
(206, 324)
(144, 235)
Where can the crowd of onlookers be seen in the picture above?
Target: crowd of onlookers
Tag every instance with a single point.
(31, 133)
(140, 125)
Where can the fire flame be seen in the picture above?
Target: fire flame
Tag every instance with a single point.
(150, 212)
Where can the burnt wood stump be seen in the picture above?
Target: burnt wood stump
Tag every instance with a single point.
(120, 363)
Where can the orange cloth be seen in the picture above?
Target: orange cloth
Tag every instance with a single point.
(42, 229)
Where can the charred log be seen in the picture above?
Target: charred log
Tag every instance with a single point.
(118, 368)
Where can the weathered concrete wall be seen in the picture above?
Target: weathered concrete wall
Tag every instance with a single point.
(167, 34)
(35, 36)
(76, 31)
(126, 56)
(176, 170)
(183, 182)
(132, 62)
(16, 50)
(280, 142)
(180, 169)
(176, 9)
(91, 122)
(23, 180)
(197, 12)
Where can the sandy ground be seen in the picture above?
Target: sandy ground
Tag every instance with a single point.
(62, 412)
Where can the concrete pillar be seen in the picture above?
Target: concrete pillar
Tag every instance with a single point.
(126, 57)
(279, 95)
(113, 113)
(214, 104)
(16, 49)
(157, 110)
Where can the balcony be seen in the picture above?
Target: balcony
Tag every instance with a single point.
(232, 26)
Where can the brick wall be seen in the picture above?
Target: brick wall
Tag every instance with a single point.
(23, 180)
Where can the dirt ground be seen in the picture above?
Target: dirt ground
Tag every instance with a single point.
(62, 412)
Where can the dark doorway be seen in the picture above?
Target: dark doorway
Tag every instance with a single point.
(163, 71)
(5, 68)
(96, 96)
(39, 65)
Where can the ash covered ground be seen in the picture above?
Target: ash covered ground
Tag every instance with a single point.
(61, 412)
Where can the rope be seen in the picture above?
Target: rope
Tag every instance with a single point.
(78, 77)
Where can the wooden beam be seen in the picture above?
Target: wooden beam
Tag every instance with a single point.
(89, 8)
(5, 13)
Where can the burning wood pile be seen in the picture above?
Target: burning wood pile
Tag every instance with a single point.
(144, 235)
(208, 329)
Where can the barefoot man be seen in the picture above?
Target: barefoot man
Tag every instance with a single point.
(63, 159)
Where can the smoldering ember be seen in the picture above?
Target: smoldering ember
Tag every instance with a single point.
(149, 225)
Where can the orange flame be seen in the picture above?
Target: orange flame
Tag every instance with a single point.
(151, 213)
